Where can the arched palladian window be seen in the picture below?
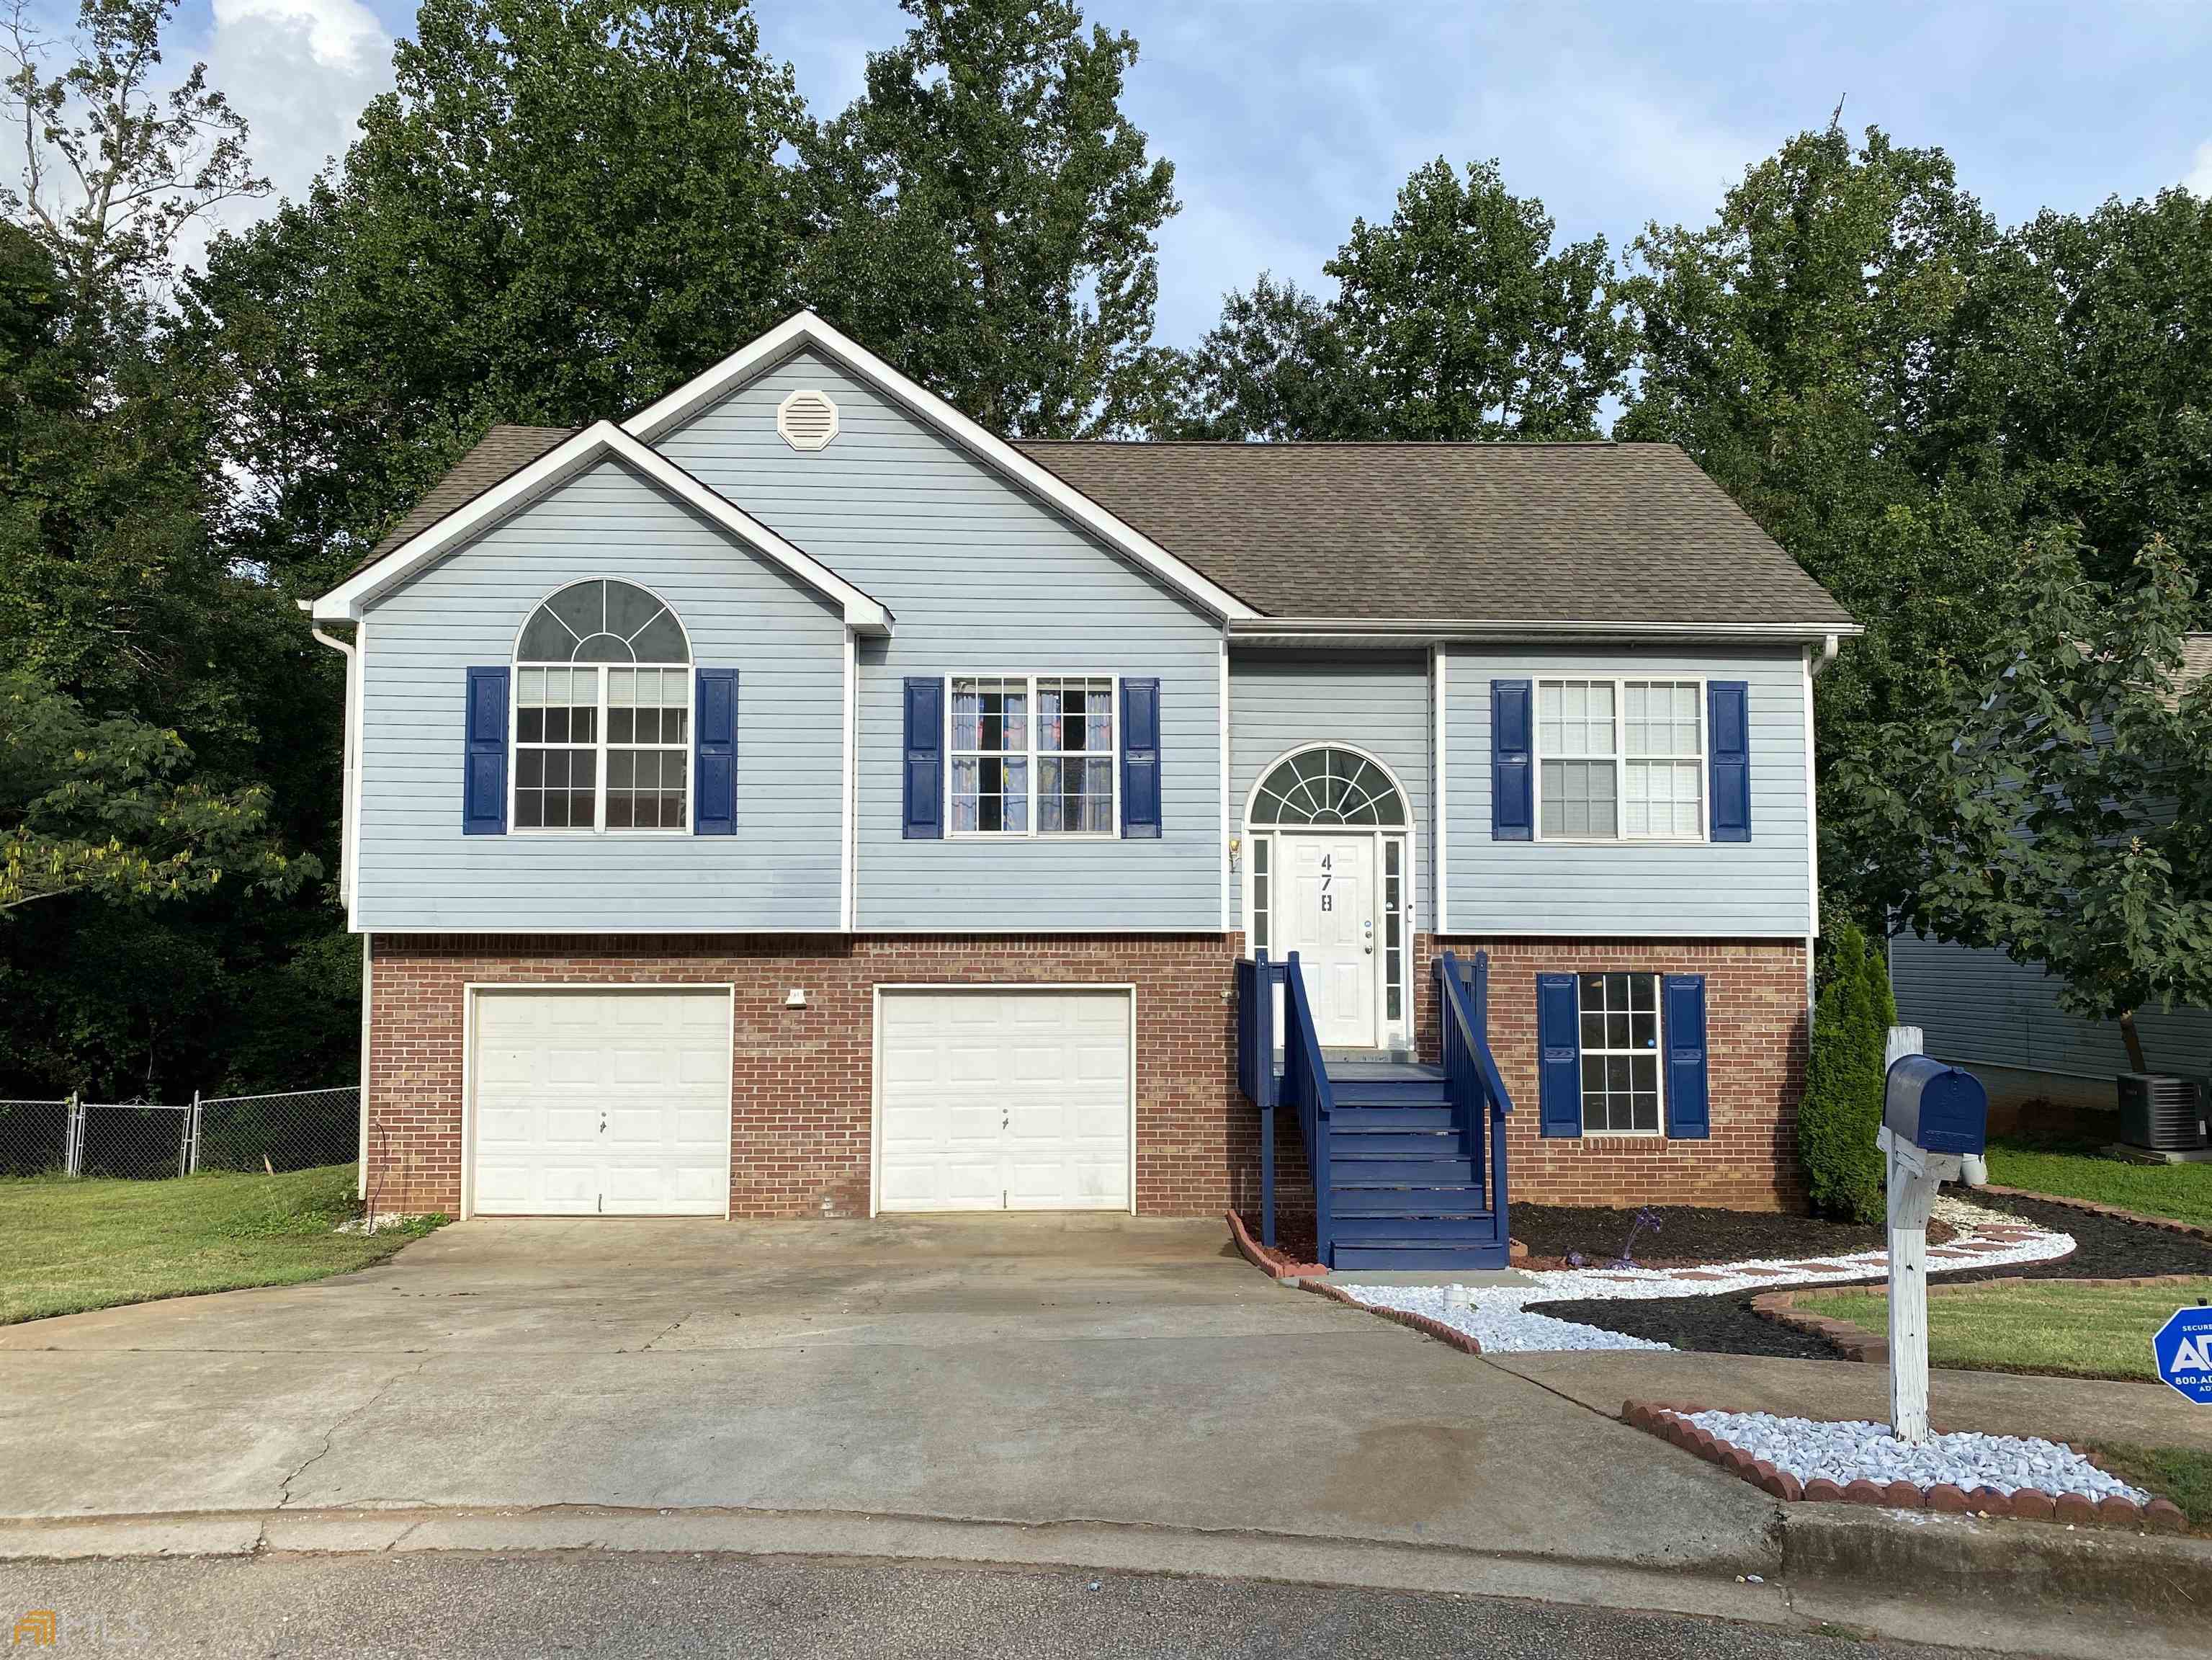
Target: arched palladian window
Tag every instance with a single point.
(1328, 786)
(603, 712)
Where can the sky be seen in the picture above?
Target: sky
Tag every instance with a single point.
(1287, 119)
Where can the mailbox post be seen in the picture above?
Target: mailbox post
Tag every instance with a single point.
(1934, 1117)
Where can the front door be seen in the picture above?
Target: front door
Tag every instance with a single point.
(1328, 918)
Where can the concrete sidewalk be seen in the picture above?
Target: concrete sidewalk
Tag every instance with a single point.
(1029, 1371)
(1990, 1403)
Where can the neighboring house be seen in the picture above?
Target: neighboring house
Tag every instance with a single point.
(1980, 1008)
(796, 800)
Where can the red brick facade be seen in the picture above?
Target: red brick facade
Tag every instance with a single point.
(801, 1086)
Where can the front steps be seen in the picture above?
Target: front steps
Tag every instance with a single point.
(1405, 1192)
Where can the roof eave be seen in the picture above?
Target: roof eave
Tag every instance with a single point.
(1428, 629)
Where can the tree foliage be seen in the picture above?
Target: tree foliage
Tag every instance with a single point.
(2068, 822)
(987, 217)
(1845, 1079)
(1454, 319)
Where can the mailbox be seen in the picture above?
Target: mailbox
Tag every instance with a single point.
(1938, 1108)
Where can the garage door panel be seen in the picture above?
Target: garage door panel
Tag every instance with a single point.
(591, 1102)
(994, 1099)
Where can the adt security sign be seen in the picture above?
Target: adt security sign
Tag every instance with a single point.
(2182, 1348)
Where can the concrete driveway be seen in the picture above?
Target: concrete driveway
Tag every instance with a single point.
(1027, 1370)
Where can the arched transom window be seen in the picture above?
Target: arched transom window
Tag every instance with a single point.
(603, 712)
(1328, 786)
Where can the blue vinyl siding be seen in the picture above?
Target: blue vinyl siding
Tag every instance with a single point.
(981, 579)
(780, 870)
(1757, 889)
(1981, 1008)
(1285, 700)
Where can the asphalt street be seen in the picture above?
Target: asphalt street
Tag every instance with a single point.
(474, 1607)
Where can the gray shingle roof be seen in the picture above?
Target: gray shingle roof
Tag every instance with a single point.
(503, 451)
(1573, 532)
(1503, 532)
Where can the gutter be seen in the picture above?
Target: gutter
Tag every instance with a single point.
(348, 762)
(1827, 653)
(1409, 629)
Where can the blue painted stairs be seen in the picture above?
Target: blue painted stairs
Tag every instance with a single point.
(1405, 1192)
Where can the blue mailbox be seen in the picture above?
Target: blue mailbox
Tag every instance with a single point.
(1938, 1108)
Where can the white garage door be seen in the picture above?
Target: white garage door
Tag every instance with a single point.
(1003, 1100)
(602, 1102)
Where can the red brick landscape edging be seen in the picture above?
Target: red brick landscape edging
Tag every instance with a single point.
(2097, 1209)
(1274, 1265)
(1856, 1343)
(1672, 1423)
(1451, 1336)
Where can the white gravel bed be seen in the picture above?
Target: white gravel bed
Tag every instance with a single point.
(1857, 1450)
(1495, 1316)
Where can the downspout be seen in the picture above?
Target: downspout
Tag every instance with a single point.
(1827, 654)
(348, 770)
(1815, 663)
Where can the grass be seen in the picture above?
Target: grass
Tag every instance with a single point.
(68, 1246)
(2071, 1330)
(2077, 1171)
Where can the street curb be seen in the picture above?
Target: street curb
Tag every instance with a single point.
(1450, 1335)
(2096, 1209)
(1856, 1343)
(2129, 1574)
(1671, 1423)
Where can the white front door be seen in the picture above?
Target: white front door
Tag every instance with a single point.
(995, 1098)
(1328, 918)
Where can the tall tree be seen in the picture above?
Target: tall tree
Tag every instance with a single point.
(988, 216)
(563, 209)
(1789, 346)
(1456, 318)
(2068, 822)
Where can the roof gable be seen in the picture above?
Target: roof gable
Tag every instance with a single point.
(479, 506)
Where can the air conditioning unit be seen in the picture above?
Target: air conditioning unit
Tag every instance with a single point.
(2161, 1113)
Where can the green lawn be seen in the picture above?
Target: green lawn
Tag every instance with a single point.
(67, 1246)
(2183, 1192)
(2077, 1331)
(2181, 1473)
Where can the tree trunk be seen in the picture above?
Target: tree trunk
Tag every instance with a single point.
(2133, 1041)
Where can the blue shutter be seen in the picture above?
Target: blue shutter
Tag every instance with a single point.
(1683, 1010)
(925, 761)
(1728, 706)
(1512, 804)
(714, 744)
(1559, 1055)
(483, 764)
(1140, 758)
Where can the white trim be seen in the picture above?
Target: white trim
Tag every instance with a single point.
(472, 989)
(596, 442)
(367, 970)
(348, 756)
(805, 331)
(1620, 758)
(1126, 988)
(1225, 783)
(1812, 816)
(1033, 755)
(1353, 628)
(849, 861)
(1439, 773)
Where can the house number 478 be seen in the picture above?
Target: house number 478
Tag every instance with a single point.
(1327, 899)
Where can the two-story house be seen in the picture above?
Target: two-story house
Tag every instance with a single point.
(796, 800)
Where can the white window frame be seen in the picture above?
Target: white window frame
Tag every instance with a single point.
(1619, 757)
(598, 826)
(1032, 755)
(1658, 1131)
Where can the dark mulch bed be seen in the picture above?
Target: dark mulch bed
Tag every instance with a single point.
(2104, 1248)
(1683, 1236)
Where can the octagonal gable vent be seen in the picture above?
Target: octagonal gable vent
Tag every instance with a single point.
(807, 419)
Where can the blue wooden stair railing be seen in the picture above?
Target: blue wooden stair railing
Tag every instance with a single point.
(1256, 978)
(1306, 1085)
(1479, 1100)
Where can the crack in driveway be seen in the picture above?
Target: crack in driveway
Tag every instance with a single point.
(330, 1435)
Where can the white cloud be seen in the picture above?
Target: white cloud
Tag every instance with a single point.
(2200, 175)
(338, 31)
(300, 71)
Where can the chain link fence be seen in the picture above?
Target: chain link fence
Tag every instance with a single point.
(294, 1129)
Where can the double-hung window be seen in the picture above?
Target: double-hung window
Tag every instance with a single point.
(1619, 1015)
(1620, 759)
(1033, 755)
